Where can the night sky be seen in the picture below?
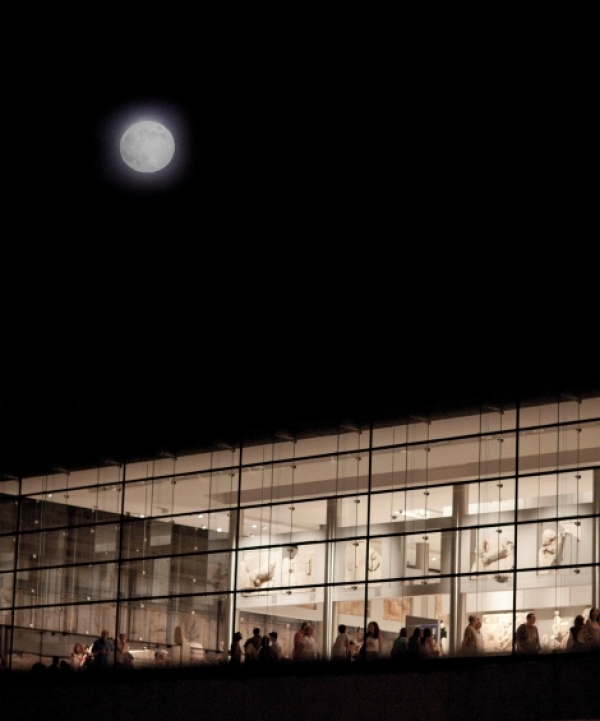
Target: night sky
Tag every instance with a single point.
(335, 240)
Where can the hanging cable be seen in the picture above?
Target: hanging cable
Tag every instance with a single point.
(292, 548)
(577, 480)
(356, 542)
(501, 544)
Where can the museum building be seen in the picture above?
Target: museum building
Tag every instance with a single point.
(420, 523)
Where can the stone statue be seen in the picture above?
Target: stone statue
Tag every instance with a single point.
(550, 554)
(495, 553)
(560, 633)
(551, 550)
(298, 567)
(256, 570)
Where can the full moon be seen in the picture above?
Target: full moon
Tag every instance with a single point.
(147, 146)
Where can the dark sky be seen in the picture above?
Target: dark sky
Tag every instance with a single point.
(343, 239)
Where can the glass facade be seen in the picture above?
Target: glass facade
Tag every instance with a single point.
(420, 523)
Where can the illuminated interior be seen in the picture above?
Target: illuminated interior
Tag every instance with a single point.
(425, 522)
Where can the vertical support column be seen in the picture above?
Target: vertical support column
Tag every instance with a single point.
(596, 540)
(368, 544)
(457, 599)
(119, 561)
(516, 522)
(329, 618)
(234, 539)
(227, 627)
(14, 571)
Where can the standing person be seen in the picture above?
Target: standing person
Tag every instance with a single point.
(373, 642)
(429, 648)
(235, 651)
(414, 644)
(310, 650)
(252, 646)
(122, 653)
(590, 634)
(275, 645)
(472, 643)
(528, 638)
(400, 647)
(78, 657)
(299, 641)
(267, 653)
(102, 651)
(341, 646)
(574, 643)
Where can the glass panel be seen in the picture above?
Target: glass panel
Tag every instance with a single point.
(420, 556)
(8, 506)
(227, 458)
(352, 439)
(546, 449)
(322, 445)
(352, 473)
(193, 574)
(488, 550)
(492, 421)
(590, 408)
(6, 593)
(490, 502)
(457, 460)
(425, 508)
(284, 449)
(588, 452)
(45, 484)
(410, 607)
(349, 609)
(146, 625)
(282, 614)
(7, 553)
(315, 477)
(353, 556)
(63, 585)
(70, 507)
(174, 632)
(75, 545)
(551, 544)
(352, 516)
(538, 415)
(566, 591)
(554, 495)
(185, 534)
(42, 633)
(290, 569)
(389, 436)
(265, 484)
(145, 498)
(60, 482)
(489, 598)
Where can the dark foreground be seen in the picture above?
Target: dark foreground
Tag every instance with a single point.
(547, 688)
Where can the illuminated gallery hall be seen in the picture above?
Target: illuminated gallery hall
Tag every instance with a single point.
(421, 523)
